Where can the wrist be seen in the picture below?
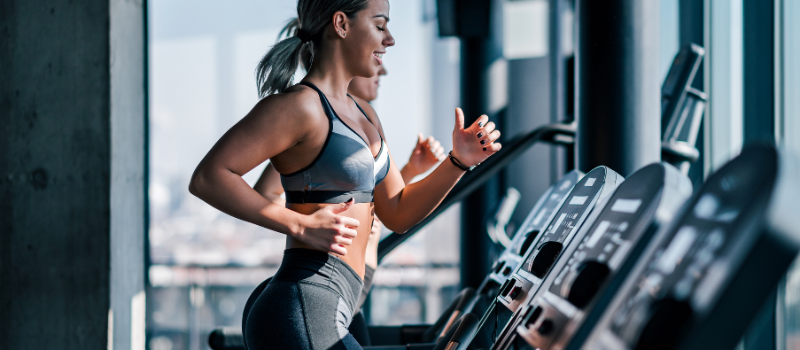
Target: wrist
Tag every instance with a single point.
(458, 163)
(409, 169)
(298, 226)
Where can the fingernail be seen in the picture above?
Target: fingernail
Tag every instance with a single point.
(483, 142)
(480, 125)
(484, 148)
(351, 199)
(480, 134)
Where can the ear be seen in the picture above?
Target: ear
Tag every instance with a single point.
(340, 24)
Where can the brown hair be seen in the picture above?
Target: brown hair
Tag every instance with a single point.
(276, 69)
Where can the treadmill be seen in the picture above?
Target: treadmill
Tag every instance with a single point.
(704, 279)
(531, 282)
(603, 253)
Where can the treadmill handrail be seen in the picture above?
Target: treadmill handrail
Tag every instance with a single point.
(472, 180)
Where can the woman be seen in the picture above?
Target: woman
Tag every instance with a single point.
(335, 167)
(426, 154)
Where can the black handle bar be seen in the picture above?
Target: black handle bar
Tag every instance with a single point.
(562, 134)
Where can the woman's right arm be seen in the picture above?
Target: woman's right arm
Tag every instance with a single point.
(269, 185)
(267, 131)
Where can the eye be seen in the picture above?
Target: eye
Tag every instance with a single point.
(381, 28)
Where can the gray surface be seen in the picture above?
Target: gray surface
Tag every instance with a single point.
(528, 109)
(71, 219)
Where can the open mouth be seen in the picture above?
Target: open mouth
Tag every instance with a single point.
(378, 56)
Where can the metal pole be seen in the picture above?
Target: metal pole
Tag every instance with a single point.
(618, 84)
(475, 243)
(480, 32)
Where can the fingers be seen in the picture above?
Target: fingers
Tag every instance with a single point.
(493, 148)
(482, 120)
(349, 222)
(437, 150)
(342, 240)
(494, 135)
(459, 119)
(487, 139)
(490, 126)
(336, 209)
(338, 249)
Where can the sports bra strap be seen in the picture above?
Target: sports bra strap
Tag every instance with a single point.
(325, 103)
(361, 109)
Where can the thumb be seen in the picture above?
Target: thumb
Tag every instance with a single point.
(459, 118)
(342, 206)
(418, 147)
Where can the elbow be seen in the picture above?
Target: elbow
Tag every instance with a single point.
(397, 228)
(197, 183)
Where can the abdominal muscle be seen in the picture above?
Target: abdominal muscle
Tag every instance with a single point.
(363, 212)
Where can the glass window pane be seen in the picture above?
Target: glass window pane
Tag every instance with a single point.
(790, 79)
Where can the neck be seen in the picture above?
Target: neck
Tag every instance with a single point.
(330, 74)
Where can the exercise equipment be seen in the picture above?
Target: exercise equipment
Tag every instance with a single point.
(677, 143)
(703, 279)
(591, 269)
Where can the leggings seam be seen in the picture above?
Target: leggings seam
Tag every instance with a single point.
(305, 315)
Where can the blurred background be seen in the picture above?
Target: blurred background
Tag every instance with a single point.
(107, 106)
(202, 56)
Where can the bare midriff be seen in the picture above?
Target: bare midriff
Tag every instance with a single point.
(363, 212)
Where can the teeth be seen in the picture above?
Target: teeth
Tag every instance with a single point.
(379, 55)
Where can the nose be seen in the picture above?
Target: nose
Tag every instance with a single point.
(388, 39)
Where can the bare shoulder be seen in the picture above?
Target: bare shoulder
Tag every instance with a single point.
(298, 106)
(371, 114)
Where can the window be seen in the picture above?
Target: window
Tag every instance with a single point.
(204, 264)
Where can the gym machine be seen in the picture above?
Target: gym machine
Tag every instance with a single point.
(603, 253)
(702, 280)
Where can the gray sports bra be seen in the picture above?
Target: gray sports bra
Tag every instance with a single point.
(343, 169)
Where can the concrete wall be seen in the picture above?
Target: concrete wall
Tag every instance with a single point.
(71, 174)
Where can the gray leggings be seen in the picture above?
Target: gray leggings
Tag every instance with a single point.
(308, 304)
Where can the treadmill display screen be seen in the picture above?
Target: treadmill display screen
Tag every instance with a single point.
(570, 213)
(551, 204)
(688, 267)
(617, 228)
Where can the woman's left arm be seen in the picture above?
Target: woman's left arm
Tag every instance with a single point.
(401, 206)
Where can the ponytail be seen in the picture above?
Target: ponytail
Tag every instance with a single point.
(297, 42)
(275, 72)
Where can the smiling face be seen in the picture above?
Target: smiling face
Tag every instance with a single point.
(367, 37)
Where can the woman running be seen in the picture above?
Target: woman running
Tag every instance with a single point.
(335, 168)
(426, 154)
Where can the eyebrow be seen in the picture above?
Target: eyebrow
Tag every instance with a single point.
(382, 16)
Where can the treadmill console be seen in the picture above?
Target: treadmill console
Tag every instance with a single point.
(604, 251)
(702, 280)
(562, 226)
(548, 203)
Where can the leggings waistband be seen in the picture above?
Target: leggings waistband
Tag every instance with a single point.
(314, 266)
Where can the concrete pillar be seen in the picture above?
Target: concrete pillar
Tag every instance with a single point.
(72, 166)
(618, 84)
